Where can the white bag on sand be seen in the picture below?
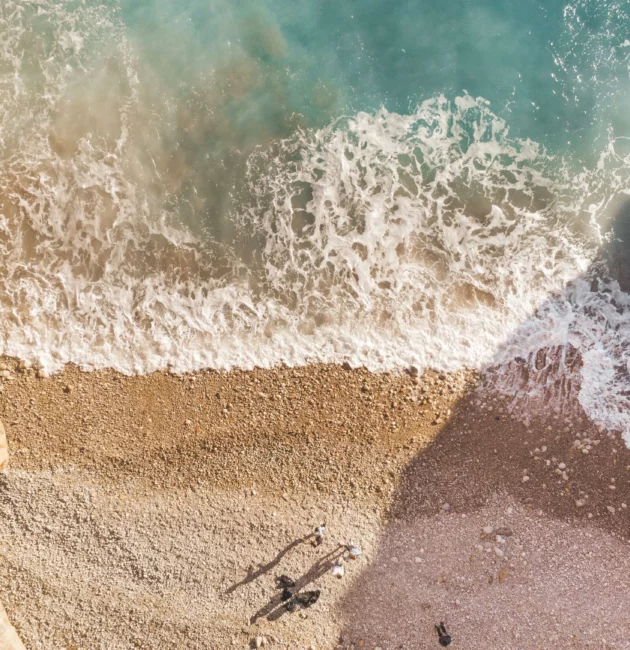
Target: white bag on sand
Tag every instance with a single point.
(9, 640)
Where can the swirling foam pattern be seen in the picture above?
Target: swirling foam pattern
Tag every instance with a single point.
(217, 186)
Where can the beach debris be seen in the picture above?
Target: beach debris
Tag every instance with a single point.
(446, 507)
(338, 570)
(504, 531)
(4, 448)
(259, 642)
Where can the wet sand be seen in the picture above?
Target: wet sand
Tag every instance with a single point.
(156, 512)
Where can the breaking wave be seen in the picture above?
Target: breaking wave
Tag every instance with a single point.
(143, 227)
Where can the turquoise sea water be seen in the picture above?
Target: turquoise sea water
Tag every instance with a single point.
(205, 183)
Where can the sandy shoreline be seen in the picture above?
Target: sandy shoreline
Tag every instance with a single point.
(155, 512)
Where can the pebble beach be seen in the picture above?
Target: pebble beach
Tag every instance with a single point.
(157, 512)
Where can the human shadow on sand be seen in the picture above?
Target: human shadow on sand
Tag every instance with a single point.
(275, 608)
(266, 568)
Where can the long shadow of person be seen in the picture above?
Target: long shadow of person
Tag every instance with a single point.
(276, 608)
(265, 568)
(511, 524)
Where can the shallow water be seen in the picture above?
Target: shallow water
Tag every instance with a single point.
(235, 184)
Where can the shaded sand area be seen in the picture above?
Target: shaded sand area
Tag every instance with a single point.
(156, 512)
(516, 535)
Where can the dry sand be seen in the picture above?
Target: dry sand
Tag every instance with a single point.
(155, 512)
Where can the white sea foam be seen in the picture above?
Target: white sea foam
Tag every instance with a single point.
(386, 240)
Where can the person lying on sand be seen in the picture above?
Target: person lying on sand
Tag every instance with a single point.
(303, 600)
(443, 636)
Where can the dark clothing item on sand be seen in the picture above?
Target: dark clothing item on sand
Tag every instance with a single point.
(284, 581)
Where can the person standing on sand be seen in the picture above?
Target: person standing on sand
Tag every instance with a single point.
(320, 531)
(443, 636)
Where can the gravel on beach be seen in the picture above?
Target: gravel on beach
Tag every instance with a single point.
(157, 511)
